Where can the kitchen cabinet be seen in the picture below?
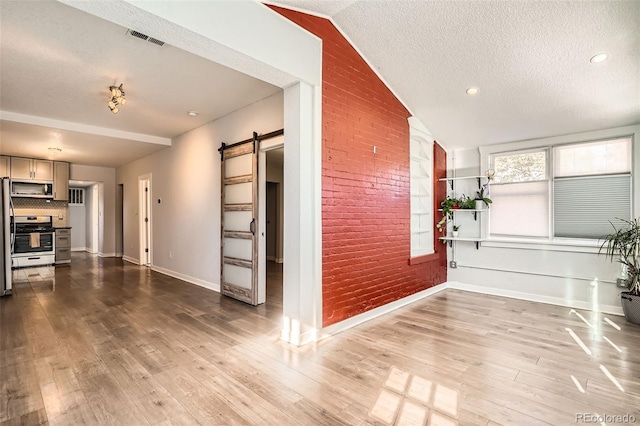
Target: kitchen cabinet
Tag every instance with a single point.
(61, 181)
(63, 245)
(31, 169)
(4, 166)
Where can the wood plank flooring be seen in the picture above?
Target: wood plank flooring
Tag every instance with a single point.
(105, 342)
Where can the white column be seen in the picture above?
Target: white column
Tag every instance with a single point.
(302, 271)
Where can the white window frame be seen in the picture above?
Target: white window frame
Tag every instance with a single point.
(419, 135)
(79, 190)
(558, 243)
(548, 178)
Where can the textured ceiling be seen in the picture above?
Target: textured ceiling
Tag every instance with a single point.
(529, 59)
(58, 62)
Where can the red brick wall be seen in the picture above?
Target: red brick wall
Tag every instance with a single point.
(365, 196)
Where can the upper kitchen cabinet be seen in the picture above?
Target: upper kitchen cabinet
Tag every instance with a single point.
(4, 166)
(31, 169)
(61, 181)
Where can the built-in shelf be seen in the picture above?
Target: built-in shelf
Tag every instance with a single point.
(476, 240)
(452, 239)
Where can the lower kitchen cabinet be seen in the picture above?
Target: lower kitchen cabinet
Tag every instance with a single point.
(63, 245)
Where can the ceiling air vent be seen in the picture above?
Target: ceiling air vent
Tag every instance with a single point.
(146, 37)
(155, 41)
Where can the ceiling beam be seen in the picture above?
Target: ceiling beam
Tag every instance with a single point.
(82, 128)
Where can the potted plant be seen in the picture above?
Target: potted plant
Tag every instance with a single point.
(467, 202)
(448, 204)
(454, 234)
(624, 245)
(482, 199)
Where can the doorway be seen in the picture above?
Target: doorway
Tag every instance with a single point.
(272, 214)
(144, 194)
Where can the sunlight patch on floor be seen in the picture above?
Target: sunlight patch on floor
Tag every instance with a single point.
(611, 323)
(407, 399)
(577, 383)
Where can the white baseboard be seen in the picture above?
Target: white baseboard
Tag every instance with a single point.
(575, 304)
(271, 258)
(192, 280)
(309, 336)
(79, 249)
(275, 259)
(107, 254)
(88, 250)
(131, 260)
(280, 260)
(374, 313)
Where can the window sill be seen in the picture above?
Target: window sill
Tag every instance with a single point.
(564, 245)
(423, 259)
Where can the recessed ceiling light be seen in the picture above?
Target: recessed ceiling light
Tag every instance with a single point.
(192, 113)
(472, 91)
(600, 57)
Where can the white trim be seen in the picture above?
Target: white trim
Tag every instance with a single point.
(280, 260)
(145, 228)
(83, 128)
(587, 306)
(374, 313)
(317, 335)
(131, 260)
(202, 283)
(107, 254)
(79, 249)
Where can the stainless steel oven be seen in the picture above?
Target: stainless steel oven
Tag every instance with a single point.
(34, 241)
(27, 243)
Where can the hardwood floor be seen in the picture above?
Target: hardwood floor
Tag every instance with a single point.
(107, 342)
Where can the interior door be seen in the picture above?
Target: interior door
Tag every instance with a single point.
(239, 229)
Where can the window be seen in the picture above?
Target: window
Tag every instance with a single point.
(591, 186)
(421, 171)
(520, 194)
(563, 191)
(76, 196)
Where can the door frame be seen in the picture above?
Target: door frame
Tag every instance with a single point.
(95, 218)
(145, 227)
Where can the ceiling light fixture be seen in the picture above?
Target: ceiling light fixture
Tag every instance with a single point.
(192, 113)
(117, 98)
(600, 57)
(472, 91)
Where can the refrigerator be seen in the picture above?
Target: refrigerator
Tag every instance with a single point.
(6, 237)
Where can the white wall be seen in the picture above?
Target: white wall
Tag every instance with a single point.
(106, 176)
(90, 204)
(567, 275)
(78, 224)
(186, 177)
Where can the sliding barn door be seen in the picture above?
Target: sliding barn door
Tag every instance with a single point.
(239, 236)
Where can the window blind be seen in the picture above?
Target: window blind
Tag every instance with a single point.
(584, 206)
(520, 209)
